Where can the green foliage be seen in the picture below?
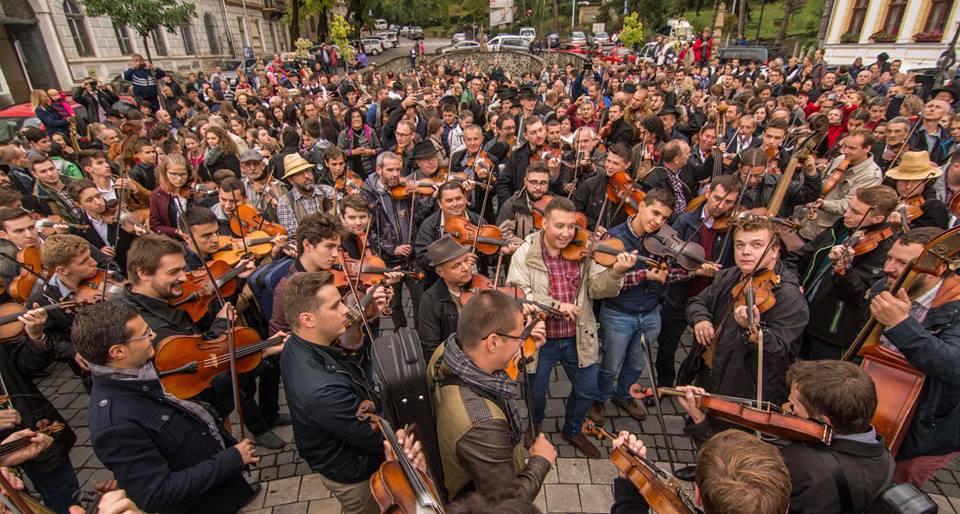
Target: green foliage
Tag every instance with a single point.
(339, 28)
(143, 16)
(632, 34)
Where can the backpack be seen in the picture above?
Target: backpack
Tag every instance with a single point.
(264, 280)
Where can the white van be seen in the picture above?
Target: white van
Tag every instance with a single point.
(380, 24)
(528, 33)
(508, 42)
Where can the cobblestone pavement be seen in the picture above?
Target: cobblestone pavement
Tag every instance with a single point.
(576, 484)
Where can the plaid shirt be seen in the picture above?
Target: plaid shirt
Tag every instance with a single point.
(564, 278)
(287, 214)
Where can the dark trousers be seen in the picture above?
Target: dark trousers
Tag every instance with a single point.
(673, 323)
(398, 315)
(814, 349)
(268, 393)
(220, 396)
(56, 486)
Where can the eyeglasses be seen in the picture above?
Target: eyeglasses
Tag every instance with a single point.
(527, 330)
(150, 333)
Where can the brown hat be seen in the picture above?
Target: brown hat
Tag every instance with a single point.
(294, 163)
(444, 250)
(915, 166)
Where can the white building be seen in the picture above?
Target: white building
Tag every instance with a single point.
(52, 43)
(915, 31)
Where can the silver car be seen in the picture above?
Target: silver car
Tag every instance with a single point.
(459, 46)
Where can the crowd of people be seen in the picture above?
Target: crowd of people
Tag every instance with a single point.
(189, 254)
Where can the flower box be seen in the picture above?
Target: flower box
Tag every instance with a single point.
(883, 37)
(930, 36)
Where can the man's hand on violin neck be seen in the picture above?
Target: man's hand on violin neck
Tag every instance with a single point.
(691, 400)
(631, 442)
(740, 316)
(626, 260)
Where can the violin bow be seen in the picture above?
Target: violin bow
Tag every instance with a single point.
(231, 321)
(353, 289)
(121, 195)
(486, 192)
(729, 236)
(656, 400)
(236, 214)
(585, 265)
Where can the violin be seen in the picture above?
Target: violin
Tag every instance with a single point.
(861, 244)
(372, 272)
(398, 486)
(757, 290)
(538, 207)
(605, 251)
(487, 239)
(22, 284)
(92, 290)
(348, 183)
(661, 489)
(21, 500)
(481, 283)
(766, 418)
(198, 291)
(10, 325)
(479, 161)
(545, 153)
(526, 351)
(913, 206)
(187, 364)
(131, 219)
(247, 219)
(835, 177)
(667, 243)
(231, 251)
(463, 178)
(47, 226)
(723, 223)
(409, 187)
(359, 314)
(622, 189)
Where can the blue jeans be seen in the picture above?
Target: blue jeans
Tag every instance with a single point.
(56, 486)
(583, 380)
(623, 352)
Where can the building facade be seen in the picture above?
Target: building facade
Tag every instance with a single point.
(915, 31)
(52, 43)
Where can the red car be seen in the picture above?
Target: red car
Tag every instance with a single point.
(13, 118)
(620, 55)
(572, 48)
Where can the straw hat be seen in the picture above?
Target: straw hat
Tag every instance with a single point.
(915, 166)
(294, 163)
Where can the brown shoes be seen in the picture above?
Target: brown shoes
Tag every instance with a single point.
(597, 413)
(633, 407)
(580, 442)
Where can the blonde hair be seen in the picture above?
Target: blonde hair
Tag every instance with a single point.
(173, 159)
(738, 473)
(36, 97)
(61, 249)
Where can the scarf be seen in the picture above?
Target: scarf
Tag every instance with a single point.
(498, 385)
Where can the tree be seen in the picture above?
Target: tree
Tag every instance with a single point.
(143, 16)
(339, 28)
(632, 33)
(298, 10)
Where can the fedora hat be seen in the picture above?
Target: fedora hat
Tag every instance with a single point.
(444, 250)
(914, 166)
(424, 150)
(294, 163)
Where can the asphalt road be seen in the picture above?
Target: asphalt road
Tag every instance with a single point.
(403, 50)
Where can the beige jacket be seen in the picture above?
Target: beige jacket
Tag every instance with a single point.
(865, 174)
(529, 272)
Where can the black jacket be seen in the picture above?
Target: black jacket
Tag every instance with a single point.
(324, 390)
(429, 231)
(798, 192)
(164, 456)
(511, 176)
(123, 240)
(438, 318)
(224, 162)
(146, 175)
(836, 301)
(734, 370)
(589, 199)
(689, 175)
(620, 132)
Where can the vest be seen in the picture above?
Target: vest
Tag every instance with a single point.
(459, 408)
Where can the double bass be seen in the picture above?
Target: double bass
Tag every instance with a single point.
(899, 383)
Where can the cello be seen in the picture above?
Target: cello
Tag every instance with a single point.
(899, 383)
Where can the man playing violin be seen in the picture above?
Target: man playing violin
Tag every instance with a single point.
(674, 175)
(579, 163)
(96, 167)
(861, 172)
(836, 271)
(355, 218)
(262, 190)
(697, 227)
(324, 390)
(478, 165)
(101, 230)
(168, 454)
(737, 473)
(206, 229)
(546, 277)
(842, 396)
(455, 265)
(479, 429)
(891, 146)
(51, 190)
(230, 193)
(722, 324)
(591, 193)
(914, 179)
(511, 177)
(519, 208)
(921, 322)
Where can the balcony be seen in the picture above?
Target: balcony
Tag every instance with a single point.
(274, 6)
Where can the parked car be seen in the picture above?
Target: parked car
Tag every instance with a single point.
(571, 48)
(372, 45)
(389, 38)
(458, 37)
(508, 42)
(458, 46)
(380, 24)
(743, 53)
(229, 68)
(578, 38)
(528, 33)
(405, 30)
(415, 33)
(553, 40)
(600, 39)
(619, 55)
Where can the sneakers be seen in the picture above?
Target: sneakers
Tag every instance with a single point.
(632, 407)
(597, 413)
(580, 442)
(268, 440)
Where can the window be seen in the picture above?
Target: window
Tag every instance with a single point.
(894, 16)
(186, 31)
(210, 27)
(858, 14)
(123, 38)
(78, 29)
(937, 18)
(159, 44)
(273, 37)
(243, 31)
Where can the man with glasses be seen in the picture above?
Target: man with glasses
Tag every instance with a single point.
(406, 139)
(262, 190)
(479, 426)
(168, 454)
(519, 207)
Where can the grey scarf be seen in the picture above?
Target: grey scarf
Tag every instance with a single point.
(497, 385)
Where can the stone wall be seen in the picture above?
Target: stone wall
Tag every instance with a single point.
(513, 63)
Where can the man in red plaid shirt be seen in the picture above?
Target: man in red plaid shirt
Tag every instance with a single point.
(546, 277)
